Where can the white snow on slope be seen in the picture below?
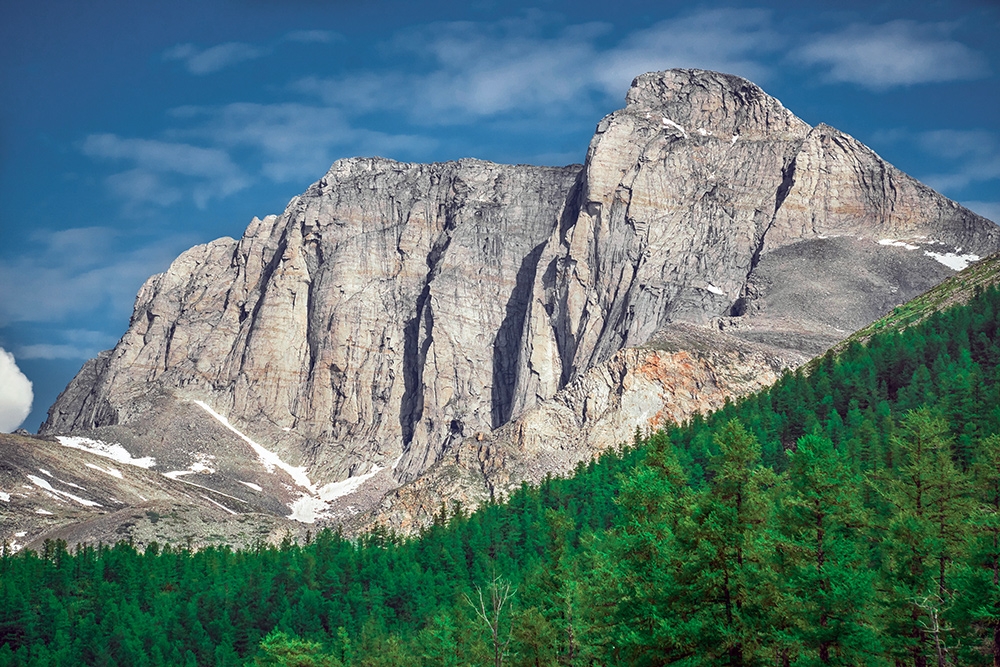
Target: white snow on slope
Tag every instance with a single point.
(669, 123)
(310, 505)
(110, 451)
(75, 486)
(219, 505)
(267, 457)
(42, 484)
(198, 466)
(309, 508)
(251, 485)
(4, 496)
(714, 290)
(899, 244)
(953, 260)
(114, 472)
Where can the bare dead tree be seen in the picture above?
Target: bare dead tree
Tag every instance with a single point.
(491, 607)
(932, 607)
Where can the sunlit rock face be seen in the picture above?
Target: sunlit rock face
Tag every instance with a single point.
(400, 318)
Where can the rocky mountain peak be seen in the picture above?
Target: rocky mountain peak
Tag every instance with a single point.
(400, 318)
(711, 104)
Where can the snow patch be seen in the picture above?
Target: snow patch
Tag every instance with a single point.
(714, 290)
(45, 472)
(335, 490)
(4, 496)
(239, 500)
(309, 508)
(735, 139)
(201, 465)
(107, 471)
(42, 484)
(21, 534)
(267, 457)
(219, 505)
(250, 485)
(108, 450)
(703, 132)
(41, 511)
(310, 505)
(952, 260)
(899, 244)
(669, 123)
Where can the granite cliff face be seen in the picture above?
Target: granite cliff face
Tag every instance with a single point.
(401, 323)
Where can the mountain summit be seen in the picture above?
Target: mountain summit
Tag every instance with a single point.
(407, 333)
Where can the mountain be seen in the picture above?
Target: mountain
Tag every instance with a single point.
(408, 334)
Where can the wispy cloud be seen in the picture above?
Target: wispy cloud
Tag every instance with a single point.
(726, 40)
(987, 209)
(163, 172)
(897, 53)
(292, 140)
(313, 36)
(73, 344)
(80, 270)
(209, 60)
(973, 155)
(201, 61)
(469, 71)
(516, 75)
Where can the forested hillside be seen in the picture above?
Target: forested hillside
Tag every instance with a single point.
(849, 515)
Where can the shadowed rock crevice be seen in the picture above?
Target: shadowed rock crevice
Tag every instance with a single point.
(507, 344)
(418, 335)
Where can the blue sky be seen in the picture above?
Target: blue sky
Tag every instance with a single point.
(130, 131)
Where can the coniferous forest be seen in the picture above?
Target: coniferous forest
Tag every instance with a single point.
(849, 515)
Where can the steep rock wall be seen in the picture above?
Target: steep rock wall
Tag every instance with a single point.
(398, 312)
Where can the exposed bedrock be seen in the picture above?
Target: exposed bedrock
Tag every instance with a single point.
(396, 313)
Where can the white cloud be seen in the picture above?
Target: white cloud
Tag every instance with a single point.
(294, 141)
(15, 393)
(897, 53)
(726, 40)
(56, 282)
(79, 344)
(523, 66)
(215, 58)
(974, 154)
(206, 173)
(953, 144)
(313, 36)
(201, 61)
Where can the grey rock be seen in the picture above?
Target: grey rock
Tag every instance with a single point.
(453, 329)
